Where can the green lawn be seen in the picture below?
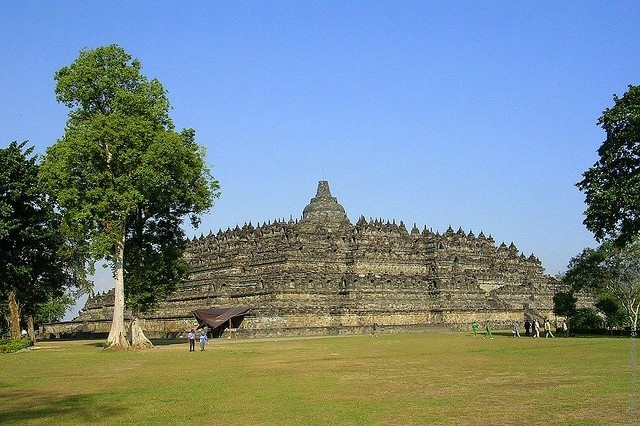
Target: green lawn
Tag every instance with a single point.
(451, 379)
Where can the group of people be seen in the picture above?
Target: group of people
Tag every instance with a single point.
(192, 340)
(532, 328)
(487, 327)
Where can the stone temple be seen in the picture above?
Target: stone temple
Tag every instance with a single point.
(324, 275)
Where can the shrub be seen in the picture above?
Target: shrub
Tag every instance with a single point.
(10, 345)
(586, 319)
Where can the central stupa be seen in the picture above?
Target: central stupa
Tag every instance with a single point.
(323, 210)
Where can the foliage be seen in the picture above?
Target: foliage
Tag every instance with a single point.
(586, 319)
(154, 255)
(615, 314)
(585, 270)
(51, 310)
(33, 268)
(612, 184)
(93, 169)
(14, 345)
(124, 178)
(54, 309)
(610, 271)
(564, 304)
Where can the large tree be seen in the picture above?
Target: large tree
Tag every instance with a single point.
(32, 267)
(610, 272)
(612, 185)
(153, 265)
(122, 174)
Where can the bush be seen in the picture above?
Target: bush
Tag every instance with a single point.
(586, 319)
(10, 345)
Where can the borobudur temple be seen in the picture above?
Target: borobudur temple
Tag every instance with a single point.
(324, 275)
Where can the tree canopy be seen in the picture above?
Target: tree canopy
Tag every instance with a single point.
(124, 178)
(610, 272)
(565, 304)
(612, 185)
(33, 270)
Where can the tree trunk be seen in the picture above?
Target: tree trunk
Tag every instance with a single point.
(138, 339)
(14, 315)
(633, 310)
(117, 337)
(30, 329)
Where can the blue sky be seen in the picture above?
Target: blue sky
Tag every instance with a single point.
(480, 115)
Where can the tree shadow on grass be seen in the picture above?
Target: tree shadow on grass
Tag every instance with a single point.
(168, 342)
(101, 344)
(20, 405)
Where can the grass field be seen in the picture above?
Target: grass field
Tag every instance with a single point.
(448, 379)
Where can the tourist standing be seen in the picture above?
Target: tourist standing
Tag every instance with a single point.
(565, 329)
(474, 328)
(192, 341)
(515, 329)
(203, 340)
(527, 326)
(547, 328)
(374, 329)
(487, 327)
(536, 328)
